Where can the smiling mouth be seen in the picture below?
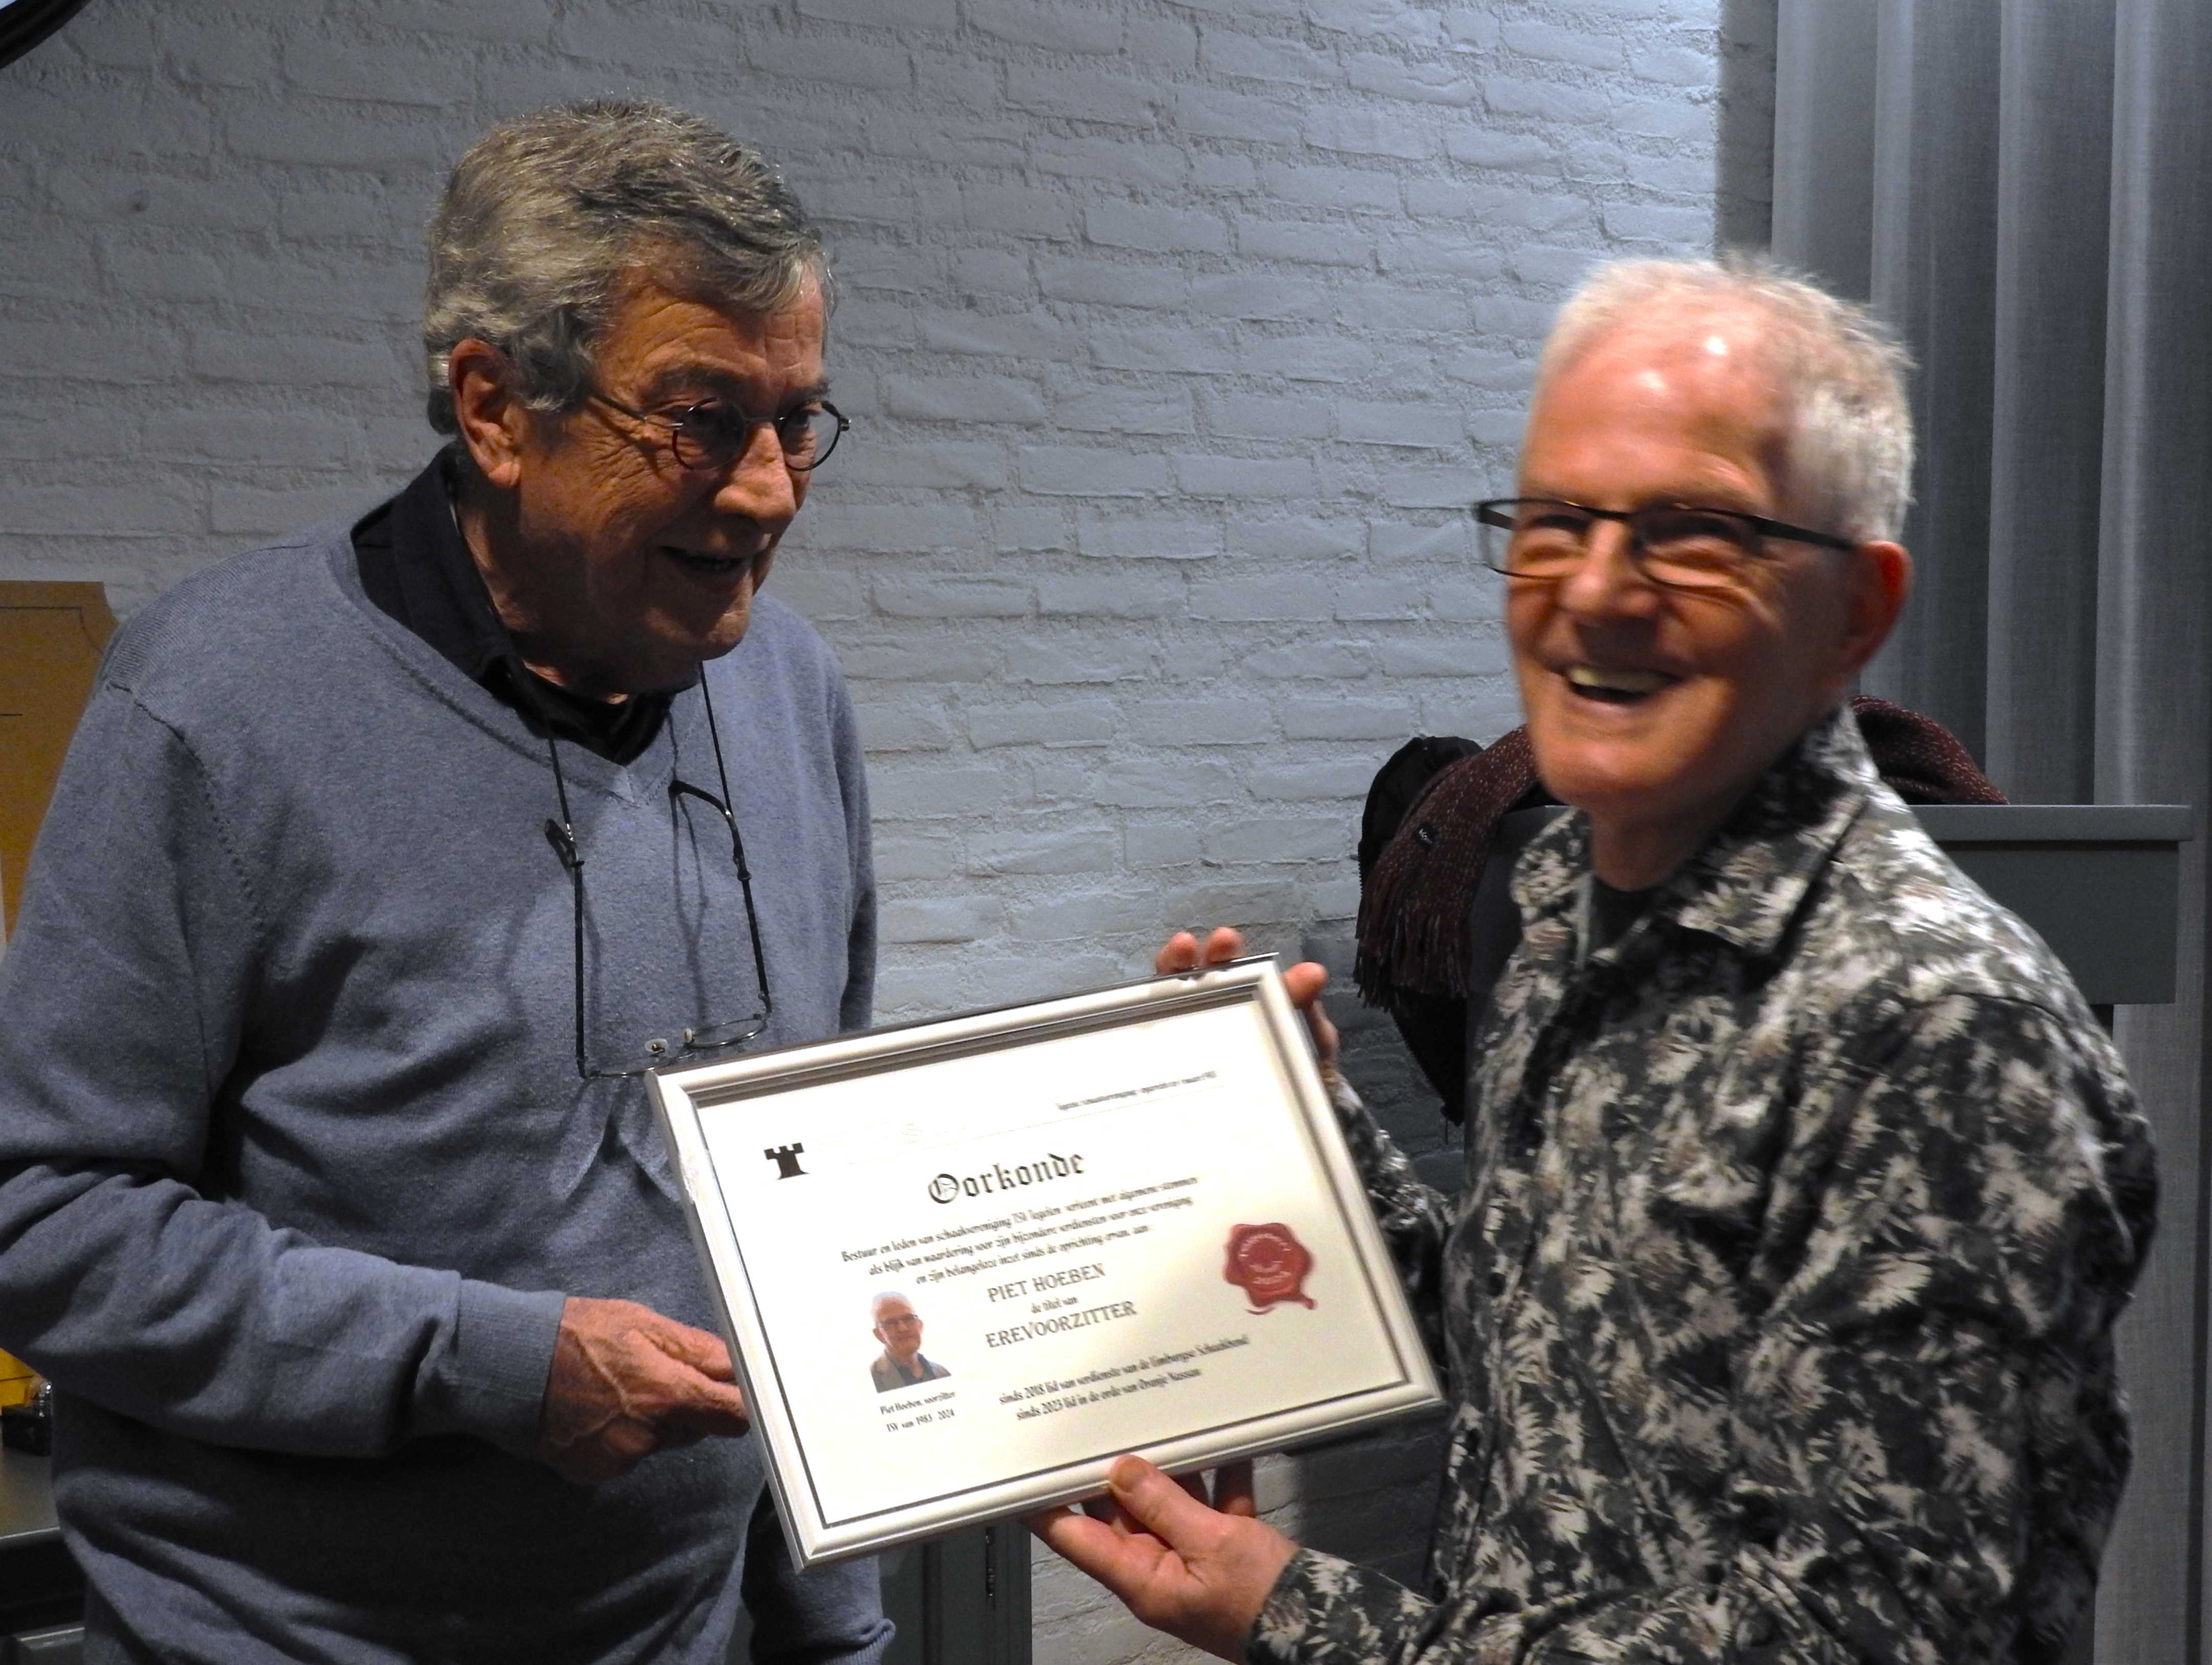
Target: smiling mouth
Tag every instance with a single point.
(1615, 685)
(711, 566)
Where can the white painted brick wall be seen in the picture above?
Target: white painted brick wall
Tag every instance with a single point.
(1178, 333)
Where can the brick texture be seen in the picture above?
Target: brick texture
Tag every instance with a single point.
(1178, 333)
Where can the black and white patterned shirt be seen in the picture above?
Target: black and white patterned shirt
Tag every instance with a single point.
(1778, 1307)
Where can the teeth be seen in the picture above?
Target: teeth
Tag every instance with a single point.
(1616, 681)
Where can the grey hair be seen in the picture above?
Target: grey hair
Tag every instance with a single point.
(1849, 445)
(544, 217)
(881, 1295)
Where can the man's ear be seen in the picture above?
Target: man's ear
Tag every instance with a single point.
(493, 422)
(1880, 582)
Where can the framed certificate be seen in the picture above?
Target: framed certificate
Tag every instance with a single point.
(965, 1264)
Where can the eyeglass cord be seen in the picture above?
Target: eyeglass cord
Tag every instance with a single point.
(562, 837)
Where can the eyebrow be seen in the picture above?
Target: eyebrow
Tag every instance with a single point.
(723, 386)
(1709, 495)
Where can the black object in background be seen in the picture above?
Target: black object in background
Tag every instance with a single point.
(25, 23)
(1434, 1025)
(30, 1427)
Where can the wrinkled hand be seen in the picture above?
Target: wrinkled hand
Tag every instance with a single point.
(1303, 982)
(1200, 1573)
(627, 1383)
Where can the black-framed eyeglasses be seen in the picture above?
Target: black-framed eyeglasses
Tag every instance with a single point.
(1684, 547)
(702, 1037)
(708, 437)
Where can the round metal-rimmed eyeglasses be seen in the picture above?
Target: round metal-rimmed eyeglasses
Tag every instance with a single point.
(1681, 546)
(707, 438)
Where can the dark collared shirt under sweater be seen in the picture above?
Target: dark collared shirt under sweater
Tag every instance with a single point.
(415, 565)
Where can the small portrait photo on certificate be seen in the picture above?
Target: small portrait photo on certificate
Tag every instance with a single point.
(901, 1363)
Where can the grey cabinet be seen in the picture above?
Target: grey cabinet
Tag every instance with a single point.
(2100, 883)
(961, 1599)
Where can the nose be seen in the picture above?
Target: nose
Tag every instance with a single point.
(1609, 583)
(757, 484)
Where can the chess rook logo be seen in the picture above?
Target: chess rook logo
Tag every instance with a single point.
(786, 1157)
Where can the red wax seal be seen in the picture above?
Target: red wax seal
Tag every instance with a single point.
(1269, 1264)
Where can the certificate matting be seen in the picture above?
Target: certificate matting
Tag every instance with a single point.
(1126, 1220)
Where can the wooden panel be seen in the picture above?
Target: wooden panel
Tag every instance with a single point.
(51, 638)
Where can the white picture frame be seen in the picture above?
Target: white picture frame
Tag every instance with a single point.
(1085, 1278)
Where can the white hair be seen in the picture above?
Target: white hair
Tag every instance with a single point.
(1841, 372)
(545, 216)
(882, 1296)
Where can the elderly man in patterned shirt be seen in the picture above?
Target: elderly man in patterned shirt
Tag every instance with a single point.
(1802, 1189)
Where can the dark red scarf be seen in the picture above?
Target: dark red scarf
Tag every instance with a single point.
(1416, 903)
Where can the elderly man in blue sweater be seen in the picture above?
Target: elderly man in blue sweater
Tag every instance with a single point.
(386, 860)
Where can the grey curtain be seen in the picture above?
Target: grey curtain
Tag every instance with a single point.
(2024, 190)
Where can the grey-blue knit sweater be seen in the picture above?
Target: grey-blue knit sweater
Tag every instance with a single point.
(295, 1168)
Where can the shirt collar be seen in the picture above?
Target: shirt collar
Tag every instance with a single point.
(1745, 884)
(416, 567)
(449, 605)
(446, 601)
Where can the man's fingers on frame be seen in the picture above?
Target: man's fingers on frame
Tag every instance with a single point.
(704, 1352)
(691, 1396)
(677, 1341)
(706, 1418)
(1116, 1560)
(1154, 1503)
(1046, 1521)
(1183, 952)
(658, 1389)
(711, 1359)
(718, 1406)
(1232, 1489)
(1122, 1524)
(1178, 953)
